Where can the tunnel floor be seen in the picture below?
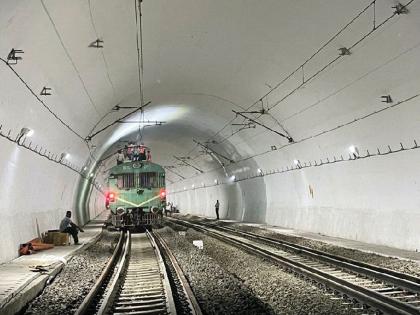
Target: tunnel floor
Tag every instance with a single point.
(225, 279)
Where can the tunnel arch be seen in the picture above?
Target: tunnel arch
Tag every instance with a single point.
(203, 60)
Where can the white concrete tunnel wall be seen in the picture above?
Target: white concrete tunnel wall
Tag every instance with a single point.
(198, 67)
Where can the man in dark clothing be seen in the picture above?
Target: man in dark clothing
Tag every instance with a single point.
(217, 209)
(67, 226)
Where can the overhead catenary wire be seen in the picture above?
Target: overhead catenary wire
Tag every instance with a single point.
(69, 57)
(322, 69)
(102, 52)
(304, 82)
(324, 132)
(139, 46)
(41, 101)
(139, 43)
(322, 47)
(334, 93)
(116, 121)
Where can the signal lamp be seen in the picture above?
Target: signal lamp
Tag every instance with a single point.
(110, 196)
(162, 193)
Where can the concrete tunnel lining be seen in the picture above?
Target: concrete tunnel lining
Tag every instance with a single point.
(203, 60)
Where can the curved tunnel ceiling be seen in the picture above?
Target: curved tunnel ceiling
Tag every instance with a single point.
(203, 59)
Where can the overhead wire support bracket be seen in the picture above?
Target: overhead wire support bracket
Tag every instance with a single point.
(99, 43)
(245, 126)
(13, 58)
(188, 164)
(214, 152)
(118, 107)
(289, 138)
(172, 171)
(400, 9)
(46, 91)
(140, 108)
(151, 122)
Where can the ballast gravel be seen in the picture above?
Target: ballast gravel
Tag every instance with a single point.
(227, 280)
(73, 283)
(401, 265)
(397, 264)
(217, 291)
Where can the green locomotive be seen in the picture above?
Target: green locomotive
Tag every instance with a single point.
(136, 194)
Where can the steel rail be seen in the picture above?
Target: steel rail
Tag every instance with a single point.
(117, 278)
(401, 279)
(191, 300)
(93, 293)
(360, 293)
(170, 304)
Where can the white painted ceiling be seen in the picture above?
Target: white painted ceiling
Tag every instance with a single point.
(202, 59)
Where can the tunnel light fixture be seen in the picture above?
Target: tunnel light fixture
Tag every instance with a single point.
(30, 133)
(64, 156)
(232, 178)
(24, 132)
(185, 188)
(91, 175)
(297, 163)
(354, 151)
(216, 181)
(259, 171)
(192, 186)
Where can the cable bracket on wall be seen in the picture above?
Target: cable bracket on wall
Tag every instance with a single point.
(99, 43)
(13, 56)
(46, 91)
(386, 99)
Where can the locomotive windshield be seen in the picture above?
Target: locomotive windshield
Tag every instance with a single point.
(141, 180)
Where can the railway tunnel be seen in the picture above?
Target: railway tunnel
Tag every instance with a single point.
(301, 115)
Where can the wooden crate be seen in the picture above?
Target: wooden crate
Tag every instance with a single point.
(57, 238)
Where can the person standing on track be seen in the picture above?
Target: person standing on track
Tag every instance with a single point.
(216, 206)
(67, 226)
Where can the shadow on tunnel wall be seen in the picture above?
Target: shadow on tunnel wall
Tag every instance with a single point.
(82, 195)
(247, 198)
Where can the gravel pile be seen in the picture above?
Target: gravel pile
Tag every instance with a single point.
(222, 276)
(74, 282)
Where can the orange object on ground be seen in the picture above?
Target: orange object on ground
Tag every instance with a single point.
(37, 244)
(25, 249)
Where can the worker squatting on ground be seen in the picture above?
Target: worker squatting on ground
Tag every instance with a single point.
(216, 206)
(67, 226)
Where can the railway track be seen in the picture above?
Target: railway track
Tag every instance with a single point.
(364, 287)
(137, 281)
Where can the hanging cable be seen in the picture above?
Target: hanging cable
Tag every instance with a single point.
(348, 123)
(102, 53)
(323, 46)
(69, 57)
(41, 101)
